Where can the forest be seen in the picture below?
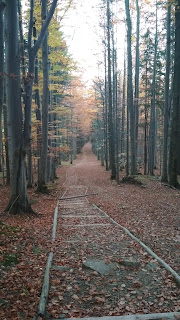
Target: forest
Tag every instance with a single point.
(130, 115)
(114, 139)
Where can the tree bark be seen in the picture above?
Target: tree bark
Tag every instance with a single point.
(174, 156)
(1, 71)
(166, 102)
(130, 105)
(19, 141)
(152, 129)
(136, 93)
(18, 200)
(123, 111)
(110, 102)
(106, 110)
(42, 177)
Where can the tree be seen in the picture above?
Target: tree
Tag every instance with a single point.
(18, 200)
(110, 101)
(130, 104)
(166, 98)
(152, 129)
(2, 5)
(136, 93)
(19, 135)
(174, 154)
(45, 103)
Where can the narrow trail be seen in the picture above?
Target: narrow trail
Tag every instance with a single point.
(98, 270)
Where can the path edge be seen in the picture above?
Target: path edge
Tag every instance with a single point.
(45, 286)
(150, 316)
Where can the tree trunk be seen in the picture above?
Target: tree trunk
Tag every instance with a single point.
(130, 105)
(166, 102)
(106, 112)
(110, 103)
(146, 124)
(174, 156)
(136, 94)
(152, 129)
(18, 200)
(42, 177)
(123, 111)
(1, 72)
(6, 141)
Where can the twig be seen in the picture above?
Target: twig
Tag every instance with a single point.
(13, 204)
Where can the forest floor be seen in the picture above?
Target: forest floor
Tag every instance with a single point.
(135, 282)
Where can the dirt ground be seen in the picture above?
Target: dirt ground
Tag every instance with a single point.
(151, 212)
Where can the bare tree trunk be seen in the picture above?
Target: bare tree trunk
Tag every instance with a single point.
(136, 94)
(123, 110)
(22, 52)
(166, 102)
(18, 200)
(6, 141)
(1, 72)
(130, 105)
(110, 103)
(152, 129)
(145, 126)
(37, 98)
(174, 156)
(106, 113)
(45, 104)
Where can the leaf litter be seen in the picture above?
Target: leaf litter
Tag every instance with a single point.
(141, 286)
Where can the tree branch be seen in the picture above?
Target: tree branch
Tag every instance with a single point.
(44, 27)
(30, 25)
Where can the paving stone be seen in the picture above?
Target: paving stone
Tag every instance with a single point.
(87, 225)
(99, 266)
(153, 316)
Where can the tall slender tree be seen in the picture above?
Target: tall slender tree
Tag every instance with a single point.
(174, 155)
(136, 92)
(18, 200)
(110, 101)
(45, 103)
(130, 104)
(166, 98)
(152, 129)
(2, 5)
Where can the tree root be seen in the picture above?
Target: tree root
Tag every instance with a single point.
(43, 189)
(15, 207)
(132, 180)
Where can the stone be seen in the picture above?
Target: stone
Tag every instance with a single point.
(100, 266)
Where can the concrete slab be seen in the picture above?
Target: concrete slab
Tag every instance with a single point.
(99, 266)
(87, 225)
(153, 316)
(79, 216)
